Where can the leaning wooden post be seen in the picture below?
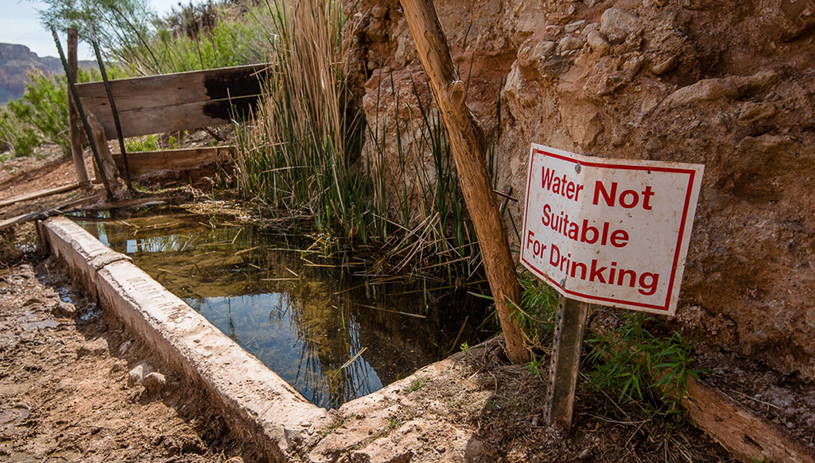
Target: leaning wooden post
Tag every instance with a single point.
(73, 116)
(466, 142)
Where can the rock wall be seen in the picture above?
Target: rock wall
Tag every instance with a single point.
(727, 84)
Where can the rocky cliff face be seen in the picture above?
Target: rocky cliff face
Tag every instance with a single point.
(728, 85)
(16, 61)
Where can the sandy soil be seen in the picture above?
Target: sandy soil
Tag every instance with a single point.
(64, 389)
(65, 392)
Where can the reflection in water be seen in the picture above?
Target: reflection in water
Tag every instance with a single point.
(332, 338)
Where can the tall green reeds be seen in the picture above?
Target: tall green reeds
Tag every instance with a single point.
(402, 194)
(294, 153)
(416, 185)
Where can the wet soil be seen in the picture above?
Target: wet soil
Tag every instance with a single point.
(65, 393)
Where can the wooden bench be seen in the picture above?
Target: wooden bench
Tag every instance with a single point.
(168, 103)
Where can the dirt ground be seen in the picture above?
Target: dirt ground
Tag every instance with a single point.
(65, 393)
(65, 389)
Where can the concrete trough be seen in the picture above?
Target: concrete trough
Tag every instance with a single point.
(257, 405)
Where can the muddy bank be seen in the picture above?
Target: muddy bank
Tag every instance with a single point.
(65, 388)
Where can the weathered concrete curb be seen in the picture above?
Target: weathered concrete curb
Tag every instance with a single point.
(256, 403)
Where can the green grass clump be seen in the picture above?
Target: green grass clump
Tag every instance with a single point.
(640, 365)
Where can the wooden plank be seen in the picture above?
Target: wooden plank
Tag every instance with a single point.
(179, 117)
(40, 194)
(570, 326)
(40, 215)
(466, 143)
(173, 89)
(146, 162)
(743, 434)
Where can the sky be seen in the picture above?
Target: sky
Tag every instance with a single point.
(20, 24)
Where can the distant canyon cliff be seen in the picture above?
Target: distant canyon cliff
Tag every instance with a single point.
(16, 61)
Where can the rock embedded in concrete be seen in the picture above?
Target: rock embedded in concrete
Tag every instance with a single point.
(597, 41)
(704, 90)
(570, 43)
(571, 27)
(753, 112)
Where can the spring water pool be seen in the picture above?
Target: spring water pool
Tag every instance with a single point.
(332, 336)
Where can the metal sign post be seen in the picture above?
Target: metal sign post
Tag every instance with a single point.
(605, 231)
(570, 326)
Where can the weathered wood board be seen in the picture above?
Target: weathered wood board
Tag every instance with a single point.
(169, 102)
(145, 162)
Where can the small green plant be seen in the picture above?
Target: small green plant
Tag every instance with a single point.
(332, 427)
(146, 143)
(640, 365)
(416, 384)
(537, 366)
(536, 317)
(394, 423)
(465, 347)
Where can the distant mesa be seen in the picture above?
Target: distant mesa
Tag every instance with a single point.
(15, 63)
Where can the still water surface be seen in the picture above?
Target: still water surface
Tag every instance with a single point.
(332, 337)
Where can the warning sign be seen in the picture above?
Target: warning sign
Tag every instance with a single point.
(608, 231)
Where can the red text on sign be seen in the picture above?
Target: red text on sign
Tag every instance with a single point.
(645, 282)
(582, 231)
(559, 185)
(627, 198)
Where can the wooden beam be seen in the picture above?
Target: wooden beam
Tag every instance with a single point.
(146, 162)
(75, 131)
(40, 215)
(177, 88)
(40, 194)
(467, 145)
(748, 437)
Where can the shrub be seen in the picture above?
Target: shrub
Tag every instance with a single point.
(39, 116)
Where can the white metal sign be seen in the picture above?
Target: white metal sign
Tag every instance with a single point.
(608, 231)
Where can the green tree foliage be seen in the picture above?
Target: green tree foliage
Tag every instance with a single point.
(123, 27)
(193, 37)
(40, 116)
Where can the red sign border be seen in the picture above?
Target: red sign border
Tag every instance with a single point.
(665, 308)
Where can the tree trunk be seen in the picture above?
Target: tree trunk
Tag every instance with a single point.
(467, 145)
